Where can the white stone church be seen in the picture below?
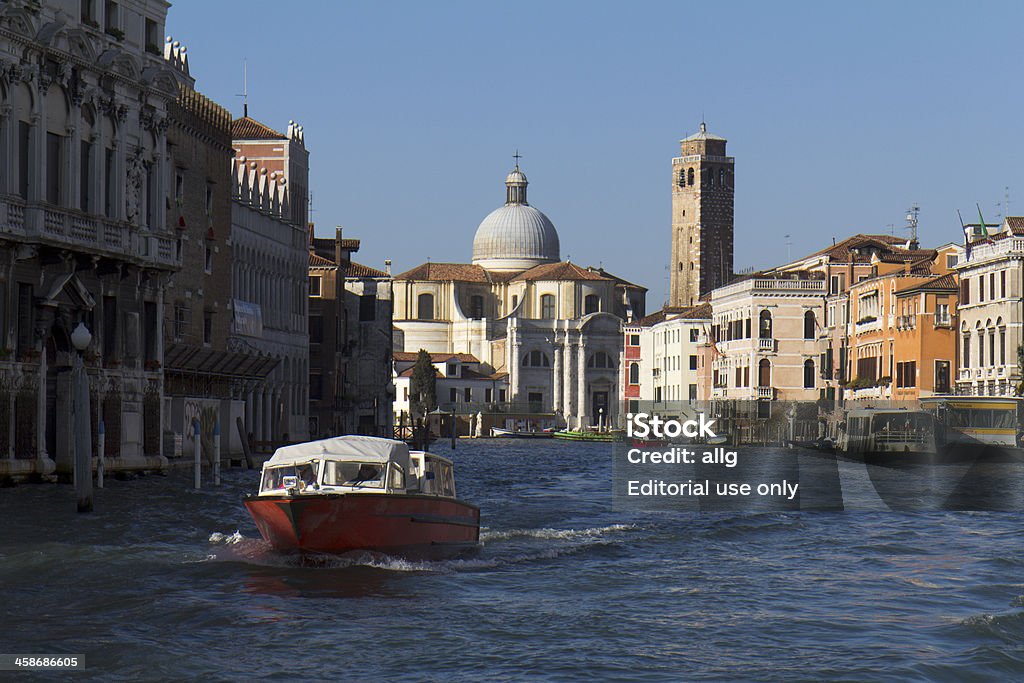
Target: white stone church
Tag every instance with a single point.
(554, 327)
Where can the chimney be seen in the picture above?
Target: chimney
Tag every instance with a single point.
(337, 246)
(387, 266)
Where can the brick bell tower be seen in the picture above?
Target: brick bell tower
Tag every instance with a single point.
(702, 218)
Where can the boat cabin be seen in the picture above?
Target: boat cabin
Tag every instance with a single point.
(356, 464)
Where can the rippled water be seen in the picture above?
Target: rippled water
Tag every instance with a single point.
(165, 583)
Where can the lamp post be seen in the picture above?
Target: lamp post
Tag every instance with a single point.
(81, 337)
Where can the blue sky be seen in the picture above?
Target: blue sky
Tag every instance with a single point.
(840, 116)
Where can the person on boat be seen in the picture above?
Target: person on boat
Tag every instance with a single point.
(307, 476)
(367, 472)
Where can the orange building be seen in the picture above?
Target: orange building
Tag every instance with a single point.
(901, 340)
(925, 340)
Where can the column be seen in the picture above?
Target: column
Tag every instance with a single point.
(513, 361)
(568, 404)
(248, 415)
(7, 158)
(268, 412)
(41, 406)
(581, 382)
(257, 417)
(556, 378)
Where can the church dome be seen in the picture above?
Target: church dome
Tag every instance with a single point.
(516, 236)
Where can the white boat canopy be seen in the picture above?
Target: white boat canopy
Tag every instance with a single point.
(353, 448)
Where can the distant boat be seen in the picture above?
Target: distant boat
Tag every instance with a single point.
(584, 435)
(500, 433)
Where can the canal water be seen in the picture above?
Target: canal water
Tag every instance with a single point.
(165, 583)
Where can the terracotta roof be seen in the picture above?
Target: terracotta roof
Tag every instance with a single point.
(359, 270)
(317, 261)
(473, 374)
(408, 373)
(701, 311)
(945, 283)
(247, 128)
(411, 356)
(327, 244)
(904, 255)
(841, 251)
(564, 270)
(446, 272)
(1016, 224)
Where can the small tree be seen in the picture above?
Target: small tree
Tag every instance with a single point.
(423, 386)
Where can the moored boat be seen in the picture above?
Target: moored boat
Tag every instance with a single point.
(583, 435)
(500, 433)
(362, 493)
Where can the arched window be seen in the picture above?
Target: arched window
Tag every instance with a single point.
(689, 175)
(591, 304)
(601, 360)
(765, 325)
(764, 373)
(634, 373)
(808, 374)
(709, 174)
(682, 177)
(547, 306)
(809, 325)
(967, 349)
(476, 307)
(536, 359)
(425, 307)
(721, 177)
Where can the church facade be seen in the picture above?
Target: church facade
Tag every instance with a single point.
(553, 326)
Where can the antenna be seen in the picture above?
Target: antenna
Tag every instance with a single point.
(912, 213)
(1006, 200)
(789, 248)
(245, 87)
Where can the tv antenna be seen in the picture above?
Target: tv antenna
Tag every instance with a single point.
(245, 88)
(912, 213)
(789, 248)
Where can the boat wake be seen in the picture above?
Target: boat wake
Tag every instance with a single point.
(497, 548)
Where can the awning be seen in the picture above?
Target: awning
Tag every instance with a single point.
(186, 359)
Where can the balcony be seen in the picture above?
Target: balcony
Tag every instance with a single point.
(766, 344)
(88, 232)
(766, 392)
(906, 322)
(943, 321)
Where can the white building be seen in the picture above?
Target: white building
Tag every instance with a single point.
(553, 326)
(463, 385)
(991, 316)
(271, 282)
(84, 92)
(768, 337)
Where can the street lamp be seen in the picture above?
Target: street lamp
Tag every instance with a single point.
(81, 337)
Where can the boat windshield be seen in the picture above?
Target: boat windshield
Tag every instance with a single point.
(354, 473)
(273, 477)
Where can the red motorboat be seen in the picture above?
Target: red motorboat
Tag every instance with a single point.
(362, 493)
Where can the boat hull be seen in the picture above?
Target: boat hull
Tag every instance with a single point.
(509, 434)
(617, 435)
(411, 526)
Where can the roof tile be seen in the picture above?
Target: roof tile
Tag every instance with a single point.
(247, 128)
